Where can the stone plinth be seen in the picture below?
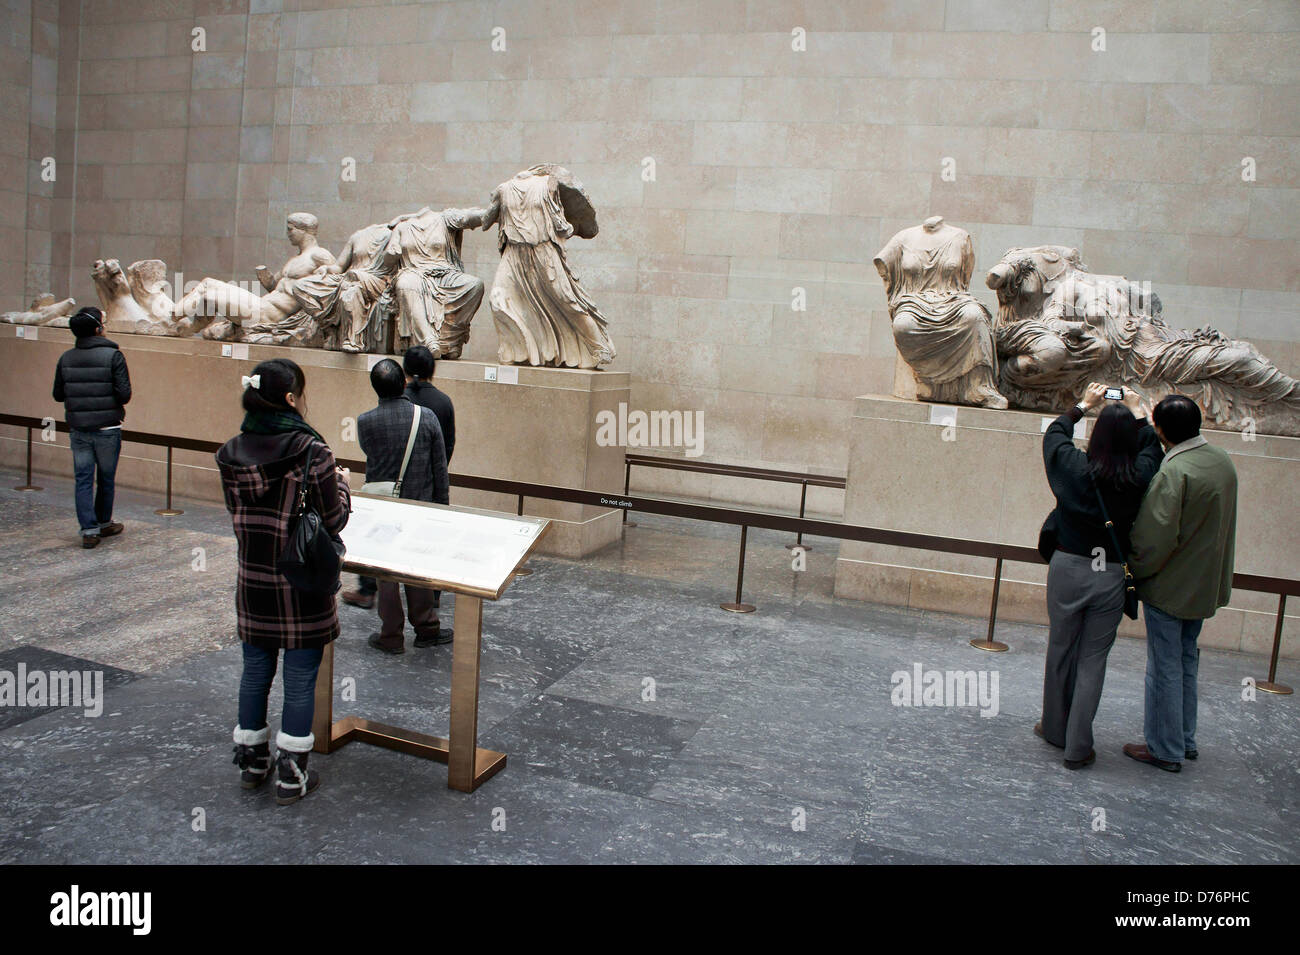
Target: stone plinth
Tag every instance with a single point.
(988, 483)
(540, 430)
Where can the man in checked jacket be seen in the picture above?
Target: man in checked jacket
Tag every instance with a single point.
(383, 433)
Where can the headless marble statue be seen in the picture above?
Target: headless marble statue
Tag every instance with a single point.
(941, 331)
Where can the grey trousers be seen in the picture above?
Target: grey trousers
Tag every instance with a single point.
(1084, 606)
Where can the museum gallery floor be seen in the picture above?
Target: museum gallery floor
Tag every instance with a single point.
(756, 720)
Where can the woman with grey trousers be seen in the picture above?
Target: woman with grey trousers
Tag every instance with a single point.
(1085, 578)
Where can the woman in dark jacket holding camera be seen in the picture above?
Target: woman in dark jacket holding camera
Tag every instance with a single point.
(1085, 578)
(262, 470)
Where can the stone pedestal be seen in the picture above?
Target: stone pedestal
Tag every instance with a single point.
(541, 429)
(984, 480)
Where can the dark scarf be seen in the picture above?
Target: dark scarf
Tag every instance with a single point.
(277, 422)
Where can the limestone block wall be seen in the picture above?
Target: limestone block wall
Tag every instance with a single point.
(738, 151)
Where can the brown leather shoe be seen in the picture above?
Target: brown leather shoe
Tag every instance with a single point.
(358, 599)
(380, 642)
(111, 529)
(89, 540)
(1140, 752)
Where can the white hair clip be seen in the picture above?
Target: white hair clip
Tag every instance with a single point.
(252, 381)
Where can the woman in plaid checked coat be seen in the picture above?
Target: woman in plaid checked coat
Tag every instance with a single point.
(262, 470)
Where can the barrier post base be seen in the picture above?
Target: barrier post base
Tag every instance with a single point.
(1280, 689)
(738, 608)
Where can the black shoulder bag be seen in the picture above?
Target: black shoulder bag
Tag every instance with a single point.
(312, 558)
(1130, 585)
(1048, 536)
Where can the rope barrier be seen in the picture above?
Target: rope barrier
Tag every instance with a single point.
(1283, 587)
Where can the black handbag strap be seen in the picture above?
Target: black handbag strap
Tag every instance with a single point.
(1110, 526)
(305, 487)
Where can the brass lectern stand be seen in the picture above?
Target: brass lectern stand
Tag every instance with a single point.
(375, 549)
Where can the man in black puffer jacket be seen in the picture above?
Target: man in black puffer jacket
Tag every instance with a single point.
(92, 381)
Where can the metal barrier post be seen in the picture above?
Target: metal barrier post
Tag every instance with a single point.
(803, 501)
(524, 570)
(739, 606)
(627, 490)
(1271, 685)
(28, 485)
(169, 511)
(988, 643)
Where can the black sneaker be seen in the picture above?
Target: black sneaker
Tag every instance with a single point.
(1191, 754)
(435, 638)
(89, 540)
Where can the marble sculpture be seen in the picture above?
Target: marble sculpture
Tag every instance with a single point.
(942, 332)
(394, 284)
(1060, 326)
(44, 311)
(543, 315)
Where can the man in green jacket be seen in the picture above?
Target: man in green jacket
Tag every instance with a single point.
(1182, 559)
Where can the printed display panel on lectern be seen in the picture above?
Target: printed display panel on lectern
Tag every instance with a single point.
(464, 551)
(474, 554)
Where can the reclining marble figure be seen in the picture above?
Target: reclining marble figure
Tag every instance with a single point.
(1060, 326)
(44, 311)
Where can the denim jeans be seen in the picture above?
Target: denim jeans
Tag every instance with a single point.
(1172, 660)
(299, 680)
(95, 451)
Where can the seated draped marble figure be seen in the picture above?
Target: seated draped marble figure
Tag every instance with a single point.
(941, 331)
(435, 297)
(1060, 326)
(543, 315)
(342, 297)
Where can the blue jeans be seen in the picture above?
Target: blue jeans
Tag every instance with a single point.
(91, 451)
(1172, 660)
(299, 680)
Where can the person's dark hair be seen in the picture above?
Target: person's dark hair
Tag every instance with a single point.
(418, 362)
(1177, 417)
(277, 378)
(1113, 447)
(86, 322)
(387, 379)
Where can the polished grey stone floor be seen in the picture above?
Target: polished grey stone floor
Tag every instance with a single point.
(769, 738)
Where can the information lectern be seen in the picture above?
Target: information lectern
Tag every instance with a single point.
(473, 554)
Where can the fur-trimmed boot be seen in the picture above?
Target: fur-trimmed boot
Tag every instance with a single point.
(252, 756)
(295, 779)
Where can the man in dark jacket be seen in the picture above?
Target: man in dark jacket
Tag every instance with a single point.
(93, 383)
(383, 434)
(418, 363)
